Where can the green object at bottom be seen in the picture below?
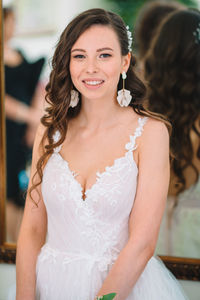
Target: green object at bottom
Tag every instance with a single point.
(109, 296)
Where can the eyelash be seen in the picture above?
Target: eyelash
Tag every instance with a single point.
(106, 55)
(81, 56)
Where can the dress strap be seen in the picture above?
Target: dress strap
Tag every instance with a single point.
(56, 138)
(130, 146)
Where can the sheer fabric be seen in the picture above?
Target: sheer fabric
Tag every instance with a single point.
(85, 237)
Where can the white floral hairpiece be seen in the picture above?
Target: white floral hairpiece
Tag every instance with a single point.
(130, 39)
(196, 33)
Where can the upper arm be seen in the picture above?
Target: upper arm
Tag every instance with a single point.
(35, 218)
(153, 181)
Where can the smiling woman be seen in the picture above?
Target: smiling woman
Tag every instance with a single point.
(183, 268)
(92, 186)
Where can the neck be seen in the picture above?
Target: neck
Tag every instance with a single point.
(98, 113)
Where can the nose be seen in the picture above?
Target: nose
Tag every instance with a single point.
(92, 66)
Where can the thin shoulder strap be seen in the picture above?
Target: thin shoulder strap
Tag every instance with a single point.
(56, 138)
(138, 132)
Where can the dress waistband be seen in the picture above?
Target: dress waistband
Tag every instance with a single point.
(103, 260)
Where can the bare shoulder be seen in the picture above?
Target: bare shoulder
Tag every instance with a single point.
(155, 130)
(154, 142)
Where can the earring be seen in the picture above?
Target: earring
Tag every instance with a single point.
(74, 98)
(124, 96)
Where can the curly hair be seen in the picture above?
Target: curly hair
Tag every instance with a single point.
(172, 70)
(148, 21)
(60, 84)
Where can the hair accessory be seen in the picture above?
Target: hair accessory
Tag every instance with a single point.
(196, 33)
(124, 96)
(130, 39)
(74, 98)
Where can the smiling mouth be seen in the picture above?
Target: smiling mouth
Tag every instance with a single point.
(93, 82)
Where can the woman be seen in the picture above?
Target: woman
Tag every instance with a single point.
(172, 69)
(21, 78)
(93, 156)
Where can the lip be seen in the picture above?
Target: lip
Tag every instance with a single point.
(95, 84)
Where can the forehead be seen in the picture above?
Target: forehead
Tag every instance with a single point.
(97, 36)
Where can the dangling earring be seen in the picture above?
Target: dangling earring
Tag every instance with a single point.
(74, 98)
(124, 96)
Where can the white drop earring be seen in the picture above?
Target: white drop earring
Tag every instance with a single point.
(74, 98)
(124, 96)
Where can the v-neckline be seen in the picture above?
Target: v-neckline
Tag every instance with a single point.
(98, 175)
(129, 147)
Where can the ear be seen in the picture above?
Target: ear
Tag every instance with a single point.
(126, 62)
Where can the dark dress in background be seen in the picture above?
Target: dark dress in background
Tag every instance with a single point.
(20, 83)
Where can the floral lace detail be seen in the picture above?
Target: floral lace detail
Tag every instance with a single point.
(113, 190)
(138, 132)
(103, 261)
(84, 238)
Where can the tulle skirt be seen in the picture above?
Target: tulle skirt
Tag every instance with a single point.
(80, 278)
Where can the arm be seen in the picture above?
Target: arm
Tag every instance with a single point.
(146, 215)
(32, 235)
(20, 112)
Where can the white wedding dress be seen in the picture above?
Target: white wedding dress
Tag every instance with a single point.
(85, 237)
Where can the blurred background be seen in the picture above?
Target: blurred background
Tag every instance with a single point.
(37, 27)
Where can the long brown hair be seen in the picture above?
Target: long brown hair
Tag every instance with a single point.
(172, 69)
(148, 20)
(60, 84)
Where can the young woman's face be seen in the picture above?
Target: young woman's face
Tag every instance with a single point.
(96, 63)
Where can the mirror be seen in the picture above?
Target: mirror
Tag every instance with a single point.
(183, 268)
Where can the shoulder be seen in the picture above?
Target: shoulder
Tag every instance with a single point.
(155, 136)
(155, 129)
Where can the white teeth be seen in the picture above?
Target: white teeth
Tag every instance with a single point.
(93, 82)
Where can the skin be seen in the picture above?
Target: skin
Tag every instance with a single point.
(94, 136)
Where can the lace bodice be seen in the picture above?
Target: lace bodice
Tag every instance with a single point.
(96, 228)
(85, 237)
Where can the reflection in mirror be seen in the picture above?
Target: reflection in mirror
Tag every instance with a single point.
(23, 108)
(174, 91)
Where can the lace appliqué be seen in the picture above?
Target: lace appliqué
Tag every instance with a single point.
(101, 260)
(138, 132)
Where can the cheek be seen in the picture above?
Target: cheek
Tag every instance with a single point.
(114, 74)
(73, 72)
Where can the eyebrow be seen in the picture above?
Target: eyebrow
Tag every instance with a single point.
(98, 50)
